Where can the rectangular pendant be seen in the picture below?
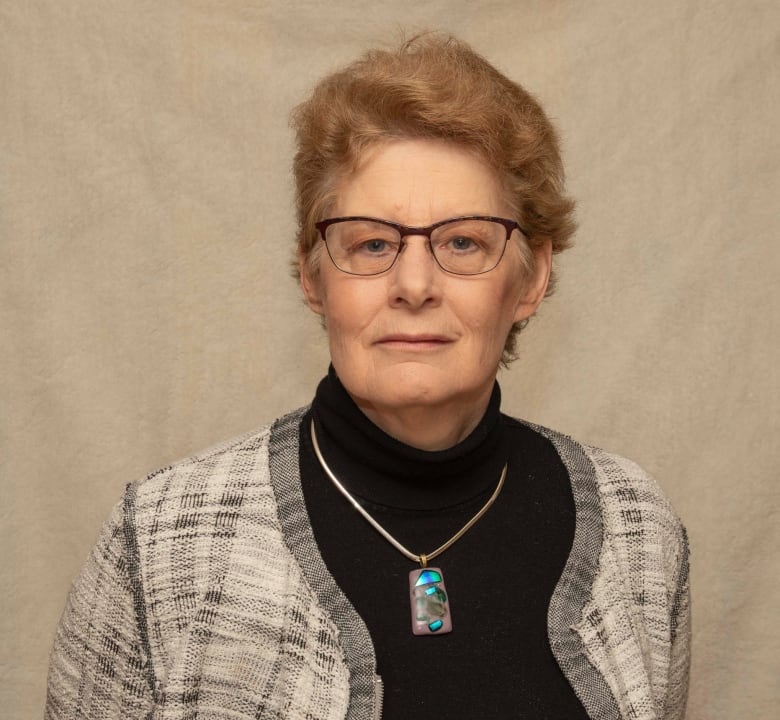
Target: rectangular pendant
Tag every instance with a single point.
(429, 601)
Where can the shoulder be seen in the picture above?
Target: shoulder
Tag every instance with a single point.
(626, 492)
(223, 496)
(624, 519)
(197, 527)
(630, 495)
(238, 466)
(211, 574)
(189, 472)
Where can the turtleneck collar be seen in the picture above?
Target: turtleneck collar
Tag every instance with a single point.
(383, 471)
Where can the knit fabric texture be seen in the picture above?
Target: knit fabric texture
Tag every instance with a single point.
(205, 595)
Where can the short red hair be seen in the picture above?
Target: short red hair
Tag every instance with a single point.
(433, 86)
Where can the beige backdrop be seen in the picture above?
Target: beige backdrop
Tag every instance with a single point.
(146, 312)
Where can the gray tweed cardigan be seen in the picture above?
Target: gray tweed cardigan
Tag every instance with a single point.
(206, 597)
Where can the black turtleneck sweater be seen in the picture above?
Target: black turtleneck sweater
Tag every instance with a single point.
(496, 662)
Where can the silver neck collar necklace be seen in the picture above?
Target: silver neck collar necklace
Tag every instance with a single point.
(430, 604)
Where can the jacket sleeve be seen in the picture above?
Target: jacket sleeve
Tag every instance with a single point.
(680, 656)
(97, 667)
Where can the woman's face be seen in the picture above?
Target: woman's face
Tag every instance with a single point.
(416, 337)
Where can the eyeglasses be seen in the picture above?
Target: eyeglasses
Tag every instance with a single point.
(469, 245)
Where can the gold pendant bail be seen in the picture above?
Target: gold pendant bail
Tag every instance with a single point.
(423, 561)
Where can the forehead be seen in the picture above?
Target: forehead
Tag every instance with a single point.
(419, 182)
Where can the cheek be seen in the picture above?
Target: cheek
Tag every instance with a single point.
(494, 309)
(336, 322)
(510, 297)
(349, 308)
(490, 317)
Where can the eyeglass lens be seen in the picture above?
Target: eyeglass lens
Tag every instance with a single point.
(461, 246)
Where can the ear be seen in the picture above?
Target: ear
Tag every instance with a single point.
(311, 286)
(536, 284)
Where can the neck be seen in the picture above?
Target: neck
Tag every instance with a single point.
(380, 468)
(427, 427)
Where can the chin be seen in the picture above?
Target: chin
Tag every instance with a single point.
(412, 384)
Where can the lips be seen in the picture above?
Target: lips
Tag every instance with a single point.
(421, 341)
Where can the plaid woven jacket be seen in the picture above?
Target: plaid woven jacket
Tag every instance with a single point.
(206, 597)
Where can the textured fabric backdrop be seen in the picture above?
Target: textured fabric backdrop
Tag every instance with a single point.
(146, 228)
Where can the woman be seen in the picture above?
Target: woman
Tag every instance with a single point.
(400, 547)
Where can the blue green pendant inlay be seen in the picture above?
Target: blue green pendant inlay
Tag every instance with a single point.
(428, 576)
(429, 602)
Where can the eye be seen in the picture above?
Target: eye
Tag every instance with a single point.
(461, 243)
(373, 246)
(466, 238)
(360, 238)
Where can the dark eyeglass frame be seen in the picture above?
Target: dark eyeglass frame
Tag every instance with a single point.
(426, 231)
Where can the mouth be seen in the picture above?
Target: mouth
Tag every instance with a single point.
(414, 342)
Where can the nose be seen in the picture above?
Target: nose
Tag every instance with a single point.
(415, 277)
